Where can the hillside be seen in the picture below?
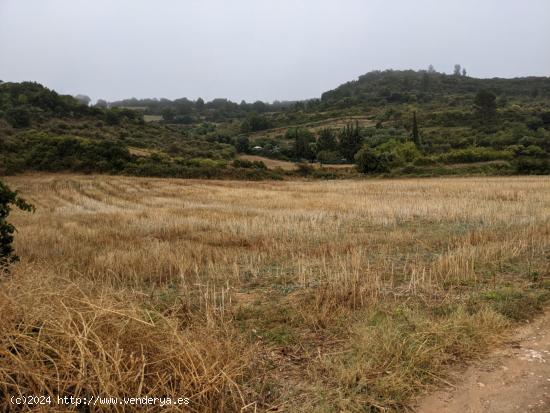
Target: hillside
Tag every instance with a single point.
(390, 122)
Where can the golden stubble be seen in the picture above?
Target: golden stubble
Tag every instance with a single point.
(130, 286)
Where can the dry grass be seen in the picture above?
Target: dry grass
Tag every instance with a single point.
(290, 166)
(296, 296)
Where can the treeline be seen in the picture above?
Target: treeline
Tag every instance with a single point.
(28, 103)
(186, 111)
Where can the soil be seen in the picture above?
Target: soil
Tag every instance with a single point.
(516, 378)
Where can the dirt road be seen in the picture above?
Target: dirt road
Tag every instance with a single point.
(514, 379)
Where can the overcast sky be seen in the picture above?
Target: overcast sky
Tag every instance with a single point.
(261, 49)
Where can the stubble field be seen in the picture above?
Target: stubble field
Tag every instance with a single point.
(265, 296)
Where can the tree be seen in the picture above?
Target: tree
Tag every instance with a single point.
(416, 135)
(457, 70)
(9, 198)
(112, 117)
(464, 73)
(199, 105)
(303, 143)
(242, 145)
(326, 140)
(431, 69)
(485, 103)
(370, 160)
(350, 141)
(168, 114)
(255, 122)
(425, 82)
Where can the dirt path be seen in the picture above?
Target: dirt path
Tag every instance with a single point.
(514, 379)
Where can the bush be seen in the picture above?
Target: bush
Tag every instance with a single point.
(242, 144)
(39, 151)
(369, 160)
(244, 163)
(474, 154)
(329, 157)
(7, 199)
(304, 169)
(399, 152)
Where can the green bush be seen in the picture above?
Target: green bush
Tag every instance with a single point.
(474, 154)
(244, 163)
(329, 157)
(370, 160)
(8, 198)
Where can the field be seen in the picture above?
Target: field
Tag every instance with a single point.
(290, 166)
(266, 296)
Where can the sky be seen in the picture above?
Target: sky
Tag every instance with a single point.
(261, 49)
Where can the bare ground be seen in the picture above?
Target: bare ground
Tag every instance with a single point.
(515, 378)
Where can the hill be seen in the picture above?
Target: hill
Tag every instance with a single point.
(387, 122)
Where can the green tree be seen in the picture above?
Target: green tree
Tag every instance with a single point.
(168, 114)
(425, 82)
(415, 133)
(485, 103)
(255, 122)
(9, 198)
(242, 144)
(326, 140)
(350, 141)
(303, 143)
(398, 153)
(370, 160)
(199, 105)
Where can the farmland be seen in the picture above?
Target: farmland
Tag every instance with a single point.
(291, 296)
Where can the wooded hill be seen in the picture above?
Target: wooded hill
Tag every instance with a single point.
(386, 122)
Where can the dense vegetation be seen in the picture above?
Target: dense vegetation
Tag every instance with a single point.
(391, 122)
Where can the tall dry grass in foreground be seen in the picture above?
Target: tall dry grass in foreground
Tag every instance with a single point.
(281, 296)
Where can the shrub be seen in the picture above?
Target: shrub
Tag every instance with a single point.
(370, 160)
(8, 198)
(329, 157)
(474, 154)
(244, 163)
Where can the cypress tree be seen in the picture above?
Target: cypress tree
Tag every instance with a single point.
(416, 135)
(350, 141)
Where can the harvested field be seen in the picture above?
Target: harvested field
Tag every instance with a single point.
(265, 296)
